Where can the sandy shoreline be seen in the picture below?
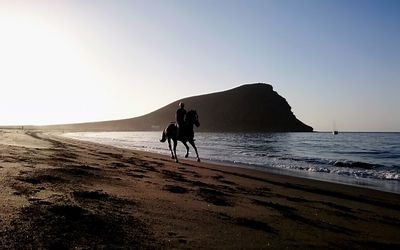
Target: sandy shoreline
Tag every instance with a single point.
(59, 192)
(382, 178)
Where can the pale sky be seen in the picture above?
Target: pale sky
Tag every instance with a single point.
(78, 61)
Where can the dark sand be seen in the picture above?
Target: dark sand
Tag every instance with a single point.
(60, 193)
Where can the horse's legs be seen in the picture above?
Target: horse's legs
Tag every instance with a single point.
(187, 149)
(176, 157)
(170, 148)
(195, 149)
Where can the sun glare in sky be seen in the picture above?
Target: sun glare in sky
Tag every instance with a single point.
(78, 61)
(59, 64)
(46, 74)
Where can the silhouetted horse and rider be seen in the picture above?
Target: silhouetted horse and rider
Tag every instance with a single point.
(182, 131)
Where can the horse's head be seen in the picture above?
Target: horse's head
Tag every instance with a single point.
(193, 118)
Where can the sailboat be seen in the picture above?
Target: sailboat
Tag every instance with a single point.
(335, 131)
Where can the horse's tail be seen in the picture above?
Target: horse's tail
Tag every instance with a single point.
(163, 136)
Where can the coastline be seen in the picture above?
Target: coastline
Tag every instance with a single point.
(309, 172)
(64, 192)
(366, 183)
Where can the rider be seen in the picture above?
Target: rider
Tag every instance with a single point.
(180, 117)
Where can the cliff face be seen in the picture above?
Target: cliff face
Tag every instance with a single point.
(248, 108)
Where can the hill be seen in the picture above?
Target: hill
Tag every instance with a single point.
(248, 108)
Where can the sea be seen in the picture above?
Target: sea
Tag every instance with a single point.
(370, 160)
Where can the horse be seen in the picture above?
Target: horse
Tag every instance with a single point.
(186, 134)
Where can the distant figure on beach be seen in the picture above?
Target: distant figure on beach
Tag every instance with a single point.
(180, 118)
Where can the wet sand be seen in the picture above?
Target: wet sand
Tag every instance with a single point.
(62, 193)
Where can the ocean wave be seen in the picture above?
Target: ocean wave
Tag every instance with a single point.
(380, 174)
(354, 164)
(363, 152)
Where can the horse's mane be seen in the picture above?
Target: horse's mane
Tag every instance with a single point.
(191, 113)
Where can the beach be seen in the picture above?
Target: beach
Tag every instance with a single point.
(62, 193)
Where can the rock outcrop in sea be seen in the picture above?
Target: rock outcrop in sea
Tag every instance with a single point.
(248, 108)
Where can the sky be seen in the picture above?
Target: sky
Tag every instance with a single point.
(337, 63)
